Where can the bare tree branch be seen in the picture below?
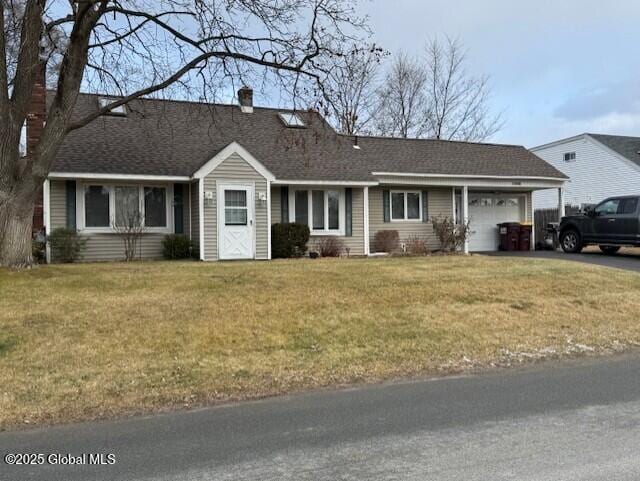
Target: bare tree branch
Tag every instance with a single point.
(350, 91)
(458, 104)
(133, 48)
(402, 99)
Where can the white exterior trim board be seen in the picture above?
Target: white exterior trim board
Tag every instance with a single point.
(131, 177)
(460, 176)
(201, 216)
(46, 213)
(347, 183)
(555, 143)
(367, 248)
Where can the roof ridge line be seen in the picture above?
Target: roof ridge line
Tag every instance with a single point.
(195, 102)
(465, 142)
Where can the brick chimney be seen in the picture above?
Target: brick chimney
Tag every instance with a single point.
(36, 118)
(245, 99)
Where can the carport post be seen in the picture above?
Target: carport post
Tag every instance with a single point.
(561, 212)
(465, 214)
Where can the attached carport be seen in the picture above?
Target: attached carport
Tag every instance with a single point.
(487, 202)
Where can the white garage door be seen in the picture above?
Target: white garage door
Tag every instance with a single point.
(486, 211)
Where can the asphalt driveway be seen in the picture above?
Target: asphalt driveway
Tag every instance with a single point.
(628, 260)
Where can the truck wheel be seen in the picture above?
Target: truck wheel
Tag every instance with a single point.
(609, 249)
(570, 241)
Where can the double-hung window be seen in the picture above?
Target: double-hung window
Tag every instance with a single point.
(323, 210)
(108, 207)
(406, 206)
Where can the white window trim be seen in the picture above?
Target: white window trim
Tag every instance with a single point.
(342, 210)
(406, 212)
(80, 207)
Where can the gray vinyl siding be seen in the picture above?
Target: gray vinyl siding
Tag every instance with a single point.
(596, 173)
(100, 247)
(276, 205)
(58, 204)
(354, 243)
(194, 221)
(440, 203)
(235, 169)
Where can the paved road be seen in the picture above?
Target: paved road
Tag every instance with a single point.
(577, 421)
(629, 261)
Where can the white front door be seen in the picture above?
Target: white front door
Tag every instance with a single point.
(235, 226)
(488, 210)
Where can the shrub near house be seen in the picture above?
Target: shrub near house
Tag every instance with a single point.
(289, 240)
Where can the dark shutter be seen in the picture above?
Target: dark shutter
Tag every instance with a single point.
(348, 198)
(284, 204)
(386, 206)
(425, 206)
(178, 208)
(71, 204)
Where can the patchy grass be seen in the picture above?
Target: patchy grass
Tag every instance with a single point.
(97, 340)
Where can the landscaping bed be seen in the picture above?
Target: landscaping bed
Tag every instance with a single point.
(88, 341)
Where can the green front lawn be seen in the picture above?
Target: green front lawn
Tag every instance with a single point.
(94, 340)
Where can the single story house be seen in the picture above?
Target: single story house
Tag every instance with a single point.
(598, 166)
(223, 174)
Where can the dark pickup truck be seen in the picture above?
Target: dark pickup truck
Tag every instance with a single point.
(613, 223)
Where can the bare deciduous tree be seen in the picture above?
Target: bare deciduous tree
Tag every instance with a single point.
(458, 103)
(402, 99)
(350, 91)
(134, 48)
(128, 222)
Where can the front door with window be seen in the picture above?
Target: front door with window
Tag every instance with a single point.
(235, 226)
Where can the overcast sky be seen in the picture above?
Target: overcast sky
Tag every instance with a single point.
(559, 68)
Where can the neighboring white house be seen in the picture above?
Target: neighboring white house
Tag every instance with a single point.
(598, 166)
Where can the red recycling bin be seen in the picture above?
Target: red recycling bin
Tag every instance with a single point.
(525, 237)
(509, 236)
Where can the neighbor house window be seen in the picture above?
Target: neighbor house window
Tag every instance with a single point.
(406, 206)
(110, 206)
(570, 157)
(96, 206)
(321, 209)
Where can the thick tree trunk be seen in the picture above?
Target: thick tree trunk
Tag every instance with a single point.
(16, 220)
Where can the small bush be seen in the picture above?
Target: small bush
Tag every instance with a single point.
(452, 236)
(176, 246)
(66, 245)
(416, 246)
(289, 240)
(386, 241)
(38, 249)
(330, 247)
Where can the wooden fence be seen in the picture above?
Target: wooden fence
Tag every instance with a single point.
(543, 217)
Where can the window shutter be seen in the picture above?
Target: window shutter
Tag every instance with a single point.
(425, 206)
(71, 204)
(386, 206)
(284, 204)
(178, 209)
(348, 197)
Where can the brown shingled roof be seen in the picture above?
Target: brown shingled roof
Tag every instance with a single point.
(164, 137)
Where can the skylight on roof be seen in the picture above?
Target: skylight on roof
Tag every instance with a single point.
(119, 110)
(291, 120)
